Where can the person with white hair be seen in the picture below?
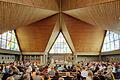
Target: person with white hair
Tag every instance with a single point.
(61, 78)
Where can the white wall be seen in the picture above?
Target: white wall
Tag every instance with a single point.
(7, 58)
(3, 51)
(33, 56)
(7, 55)
(87, 56)
(112, 56)
(87, 53)
(33, 53)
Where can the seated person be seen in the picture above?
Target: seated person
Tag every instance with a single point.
(56, 77)
(61, 78)
(37, 77)
(84, 73)
(52, 72)
(67, 77)
(60, 68)
(100, 75)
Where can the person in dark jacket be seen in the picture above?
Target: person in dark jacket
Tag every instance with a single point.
(56, 77)
(100, 75)
(67, 77)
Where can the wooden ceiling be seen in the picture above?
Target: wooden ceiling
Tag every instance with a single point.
(73, 4)
(53, 35)
(34, 37)
(66, 33)
(85, 37)
(14, 15)
(43, 4)
(105, 15)
(38, 22)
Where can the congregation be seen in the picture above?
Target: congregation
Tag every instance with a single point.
(80, 71)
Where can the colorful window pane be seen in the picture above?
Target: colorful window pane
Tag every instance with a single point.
(60, 45)
(4, 35)
(111, 42)
(8, 45)
(116, 36)
(3, 43)
(8, 41)
(117, 44)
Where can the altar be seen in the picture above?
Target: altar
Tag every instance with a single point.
(61, 59)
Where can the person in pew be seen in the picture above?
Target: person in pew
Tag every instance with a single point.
(84, 73)
(56, 76)
(90, 76)
(68, 76)
(61, 78)
(79, 77)
(6, 72)
(52, 72)
(109, 73)
(37, 77)
(60, 68)
(33, 73)
(99, 73)
(10, 77)
(118, 72)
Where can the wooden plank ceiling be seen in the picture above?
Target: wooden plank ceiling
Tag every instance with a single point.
(53, 36)
(85, 37)
(105, 15)
(73, 4)
(34, 37)
(14, 15)
(43, 4)
(66, 33)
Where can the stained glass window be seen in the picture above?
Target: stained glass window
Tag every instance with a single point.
(111, 42)
(8, 41)
(60, 45)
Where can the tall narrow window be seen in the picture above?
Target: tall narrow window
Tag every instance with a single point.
(111, 42)
(60, 45)
(8, 41)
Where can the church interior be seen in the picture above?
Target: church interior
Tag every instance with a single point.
(59, 39)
